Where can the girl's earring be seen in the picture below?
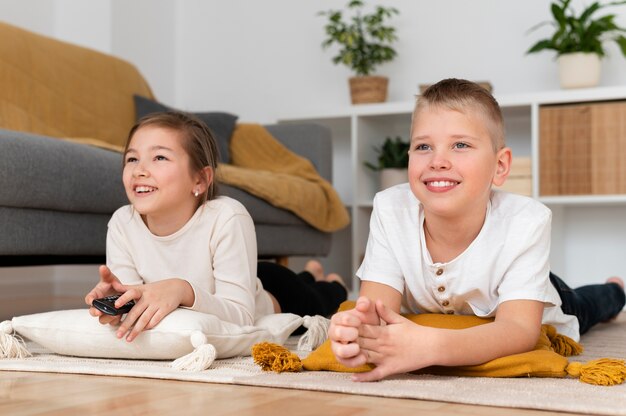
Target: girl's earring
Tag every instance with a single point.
(196, 193)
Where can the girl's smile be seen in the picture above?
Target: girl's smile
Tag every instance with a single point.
(158, 179)
(139, 189)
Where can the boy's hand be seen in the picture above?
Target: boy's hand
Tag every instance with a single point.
(397, 347)
(153, 301)
(365, 309)
(109, 285)
(344, 331)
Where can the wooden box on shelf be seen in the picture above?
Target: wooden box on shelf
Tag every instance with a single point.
(582, 149)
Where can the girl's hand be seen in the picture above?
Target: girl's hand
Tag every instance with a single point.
(344, 332)
(397, 347)
(109, 285)
(153, 301)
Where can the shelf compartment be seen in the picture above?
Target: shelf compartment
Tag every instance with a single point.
(581, 149)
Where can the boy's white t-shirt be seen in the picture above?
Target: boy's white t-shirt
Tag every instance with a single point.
(215, 251)
(508, 260)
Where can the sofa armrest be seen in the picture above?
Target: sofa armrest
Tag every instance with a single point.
(311, 141)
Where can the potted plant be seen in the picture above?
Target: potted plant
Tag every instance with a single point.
(578, 41)
(393, 160)
(365, 43)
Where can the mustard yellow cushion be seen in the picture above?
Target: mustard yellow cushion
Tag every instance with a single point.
(543, 361)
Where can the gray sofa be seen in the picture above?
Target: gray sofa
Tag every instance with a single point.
(56, 198)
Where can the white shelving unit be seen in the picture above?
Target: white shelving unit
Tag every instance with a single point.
(589, 231)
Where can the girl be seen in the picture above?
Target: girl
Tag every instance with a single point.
(178, 244)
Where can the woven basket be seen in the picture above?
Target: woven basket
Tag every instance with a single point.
(368, 89)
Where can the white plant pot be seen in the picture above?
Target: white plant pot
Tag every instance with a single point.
(579, 70)
(392, 176)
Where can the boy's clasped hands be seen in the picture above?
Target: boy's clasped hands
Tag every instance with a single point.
(372, 333)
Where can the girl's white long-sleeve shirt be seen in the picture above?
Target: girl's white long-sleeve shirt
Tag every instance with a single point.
(215, 251)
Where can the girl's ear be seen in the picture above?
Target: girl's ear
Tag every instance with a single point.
(205, 179)
(503, 167)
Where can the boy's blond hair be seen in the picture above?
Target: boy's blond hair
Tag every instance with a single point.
(462, 95)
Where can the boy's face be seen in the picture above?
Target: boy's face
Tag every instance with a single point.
(452, 162)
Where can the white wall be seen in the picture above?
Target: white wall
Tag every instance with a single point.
(263, 60)
(35, 15)
(86, 23)
(144, 32)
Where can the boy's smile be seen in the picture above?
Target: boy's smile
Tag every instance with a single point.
(440, 185)
(452, 161)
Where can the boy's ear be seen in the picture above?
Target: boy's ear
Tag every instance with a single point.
(503, 167)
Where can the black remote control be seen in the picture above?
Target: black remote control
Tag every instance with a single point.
(107, 305)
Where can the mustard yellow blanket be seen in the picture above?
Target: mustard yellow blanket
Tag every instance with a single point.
(262, 166)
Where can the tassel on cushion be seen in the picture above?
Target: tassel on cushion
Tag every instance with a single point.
(274, 357)
(601, 372)
(11, 346)
(316, 335)
(200, 358)
(562, 344)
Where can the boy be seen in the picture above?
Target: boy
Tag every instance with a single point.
(447, 243)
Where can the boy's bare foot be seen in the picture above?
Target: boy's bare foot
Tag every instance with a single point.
(316, 269)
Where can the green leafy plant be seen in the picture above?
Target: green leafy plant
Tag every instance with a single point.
(364, 39)
(394, 153)
(581, 33)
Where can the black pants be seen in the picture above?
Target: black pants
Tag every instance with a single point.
(299, 293)
(591, 304)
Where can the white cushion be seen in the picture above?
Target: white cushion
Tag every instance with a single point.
(75, 332)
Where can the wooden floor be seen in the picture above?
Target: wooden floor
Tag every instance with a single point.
(23, 393)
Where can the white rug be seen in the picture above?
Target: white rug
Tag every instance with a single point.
(566, 395)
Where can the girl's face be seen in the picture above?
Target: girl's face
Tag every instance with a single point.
(452, 162)
(158, 180)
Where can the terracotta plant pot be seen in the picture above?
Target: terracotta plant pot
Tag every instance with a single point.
(368, 89)
(579, 70)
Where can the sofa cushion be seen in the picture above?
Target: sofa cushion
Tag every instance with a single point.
(262, 212)
(309, 140)
(49, 174)
(221, 124)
